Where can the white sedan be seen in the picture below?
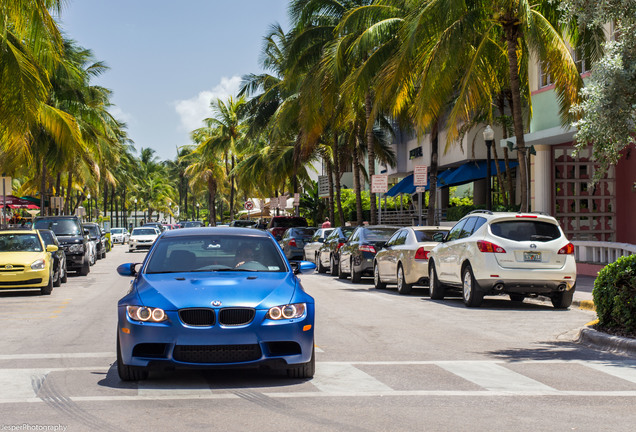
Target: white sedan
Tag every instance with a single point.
(119, 235)
(142, 238)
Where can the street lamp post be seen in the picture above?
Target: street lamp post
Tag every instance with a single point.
(197, 211)
(89, 207)
(489, 136)
(135, 212)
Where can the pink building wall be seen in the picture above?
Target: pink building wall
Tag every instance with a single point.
(626, 197)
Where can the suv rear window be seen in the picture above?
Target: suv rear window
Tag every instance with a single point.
(61, 227)
(526, 230)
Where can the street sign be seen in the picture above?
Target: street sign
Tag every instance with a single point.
(420, 175)
(248, 205)
(296, 199)
(379, 183)
(282, 202)
(6, 187)
(420, 189)
(323, 186)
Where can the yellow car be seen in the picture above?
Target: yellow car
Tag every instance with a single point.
(25, 261)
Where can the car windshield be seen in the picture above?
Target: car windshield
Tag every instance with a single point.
(427, 236)
(520, 230)
(20, 243)
(47, 236)
(210, 253)
(61, 227)
(116, 230)
(144, 231)
(94, 230)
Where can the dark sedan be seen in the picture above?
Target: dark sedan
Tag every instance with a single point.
(59, 257)
(294, 240)
(328, 254)
(358, 253)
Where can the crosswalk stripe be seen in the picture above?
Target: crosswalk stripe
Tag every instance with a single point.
(622, 371)
(494, 377)
(343, 378)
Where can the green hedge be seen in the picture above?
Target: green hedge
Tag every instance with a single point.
(615, 295)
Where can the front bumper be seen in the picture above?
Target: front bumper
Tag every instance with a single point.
(287, 342)
(24, 279)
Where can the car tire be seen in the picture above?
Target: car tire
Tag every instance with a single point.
(562, 300)
(92, 260)
(402, 286)
(47, 289)
(86, 268)
(64, 276)
(436, 289)
(103, 254)
(58, 280)
(355, 276)
(321, 268)
(305, 370)
(515, 297)
(377, 281)
(333, 269)
(129, 373)
(341, 274)
(470, 290)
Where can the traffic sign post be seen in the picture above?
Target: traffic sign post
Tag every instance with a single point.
(420, 180)
(248, 205)
(379, 185)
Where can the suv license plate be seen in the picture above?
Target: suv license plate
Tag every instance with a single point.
(532, 256)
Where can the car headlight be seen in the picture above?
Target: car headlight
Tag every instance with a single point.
(146, 314)
(76, 248)
(289, 311)
(38, 265)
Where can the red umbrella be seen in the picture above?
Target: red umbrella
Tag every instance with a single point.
(18, 203)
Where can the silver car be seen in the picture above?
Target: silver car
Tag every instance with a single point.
(312, 246)
(519, 254)
(404, 258)
(119, 235)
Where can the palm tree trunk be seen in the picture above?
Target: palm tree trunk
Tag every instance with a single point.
(432, 188)
(69, 189)
(338, 176)
(368, 105)
(331, 191)
(356, 182)
(232, 191)
(105, 198)
(512, 35)
(212, 206)
(43, 188)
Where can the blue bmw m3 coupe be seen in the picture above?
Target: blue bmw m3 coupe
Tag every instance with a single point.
(215, 298)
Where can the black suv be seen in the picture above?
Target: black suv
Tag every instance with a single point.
(72, 237)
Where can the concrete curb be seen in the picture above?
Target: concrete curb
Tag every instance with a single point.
(603, 341)
(584, 304)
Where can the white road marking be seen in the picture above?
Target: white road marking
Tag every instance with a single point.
(56, 356)
(625, 372)
(494, 377)
(16, 384)
(192, 387)
(343, 378)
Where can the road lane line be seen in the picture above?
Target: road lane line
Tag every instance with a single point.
(56, 356)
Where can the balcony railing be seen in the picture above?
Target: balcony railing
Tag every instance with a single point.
(598, 252)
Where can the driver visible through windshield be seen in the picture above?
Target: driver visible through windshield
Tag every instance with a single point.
(215, 253)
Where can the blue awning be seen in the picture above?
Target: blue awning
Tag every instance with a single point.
(466, 173)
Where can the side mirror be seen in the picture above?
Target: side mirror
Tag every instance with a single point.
(303, 267)
(51, 248)
(86, 231)
(128, 269)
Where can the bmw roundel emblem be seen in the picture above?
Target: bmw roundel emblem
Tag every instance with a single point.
(216, 303)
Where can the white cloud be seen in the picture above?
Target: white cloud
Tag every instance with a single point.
(120, 115)
(193, 111)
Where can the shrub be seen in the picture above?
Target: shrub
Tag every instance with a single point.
(615, 296)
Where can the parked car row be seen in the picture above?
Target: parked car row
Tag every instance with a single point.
(41, 257)
(485, 253)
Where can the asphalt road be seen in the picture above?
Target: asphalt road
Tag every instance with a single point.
(385, 362)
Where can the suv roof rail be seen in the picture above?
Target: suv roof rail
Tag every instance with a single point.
(481, 211)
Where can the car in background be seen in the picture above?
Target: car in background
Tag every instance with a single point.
(192, 224)
(358, 253)
(157, 225)
(98, 237)
(119, 235)
(491, 253)
(73, 238)
(310, 251)
(293, 242)
(142, 238)
(215, 298)
(278, 225)
(244, 223)
(25, 261)
(59, 257)
(404, 258)
(329, 253)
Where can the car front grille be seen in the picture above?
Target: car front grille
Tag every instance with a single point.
(236, 316)
(216, 353)
(8, 268)
(26, 282)
(202, 317)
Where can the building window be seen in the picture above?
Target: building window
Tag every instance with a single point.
(545, 79)
(415, 153)
(582, 64)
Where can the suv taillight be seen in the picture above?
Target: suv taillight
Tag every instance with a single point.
(292, 242)
(568, 249)
(422, 254)
(486, 246)
(366, 248)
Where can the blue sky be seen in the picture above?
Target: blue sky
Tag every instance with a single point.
(168, 59)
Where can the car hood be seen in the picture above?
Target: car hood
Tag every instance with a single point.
(20, 258)
(178, 290)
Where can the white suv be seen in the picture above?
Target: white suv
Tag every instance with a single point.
(520, 254)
